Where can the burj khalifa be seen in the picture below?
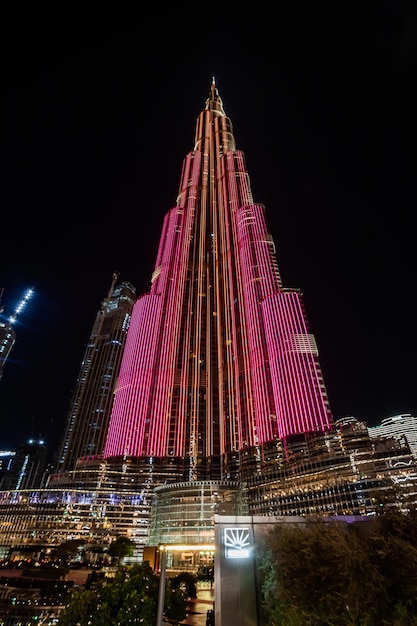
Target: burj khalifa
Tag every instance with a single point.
(219, 356)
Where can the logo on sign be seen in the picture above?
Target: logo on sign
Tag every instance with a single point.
(237, 543)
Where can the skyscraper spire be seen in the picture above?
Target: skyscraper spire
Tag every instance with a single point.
(214, 102)
(219, 356)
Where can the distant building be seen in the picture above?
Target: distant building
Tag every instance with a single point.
(26, 467)
(89, 413)
(7, 334)
(6, 457)
(7, 340)
(398, 426)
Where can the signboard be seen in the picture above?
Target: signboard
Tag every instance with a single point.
(237, 543)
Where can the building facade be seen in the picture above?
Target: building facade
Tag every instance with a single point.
(401, 426)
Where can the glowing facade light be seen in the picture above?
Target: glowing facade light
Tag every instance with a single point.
(219, 356)
(21, 305)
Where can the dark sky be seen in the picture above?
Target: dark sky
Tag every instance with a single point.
(98, 111)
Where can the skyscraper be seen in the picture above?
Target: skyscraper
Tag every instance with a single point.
(27, 467)
(90, 407)
(7, 333)
(219, 356)
(7, 341)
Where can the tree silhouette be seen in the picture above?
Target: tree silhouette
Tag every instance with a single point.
(121, 547)
(329, 573)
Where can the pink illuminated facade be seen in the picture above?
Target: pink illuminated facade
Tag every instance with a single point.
(219, 356)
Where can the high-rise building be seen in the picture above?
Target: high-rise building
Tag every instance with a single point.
(6, 458)
(7, 333)
(27, 466)
(219, 357)
(7, 340)
(90, 407)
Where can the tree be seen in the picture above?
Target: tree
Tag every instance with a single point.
(66, 551)
(314, 575)
(176, 601)
(121, 547)
(333, 573)
(130, 598)
(82, 605)
(187, 582)
(393, 547)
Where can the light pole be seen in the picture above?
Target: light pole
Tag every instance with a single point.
(162, 581)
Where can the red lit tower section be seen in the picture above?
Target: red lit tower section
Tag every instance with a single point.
(219, 356)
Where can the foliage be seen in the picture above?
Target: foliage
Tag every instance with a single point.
(329, 573)
(66, 550)
(187, 582)
(82, 605)
(130, 598)
(121, 547)
(175, 602)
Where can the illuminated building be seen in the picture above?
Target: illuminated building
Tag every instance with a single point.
(27, 466)
(7, 333)
(91, 403)
(6, 457)
(399, 426)
(7, 340)
(219, 356)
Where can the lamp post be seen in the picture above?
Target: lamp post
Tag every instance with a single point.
(162, 582)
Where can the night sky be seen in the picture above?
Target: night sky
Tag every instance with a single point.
(98, 111)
